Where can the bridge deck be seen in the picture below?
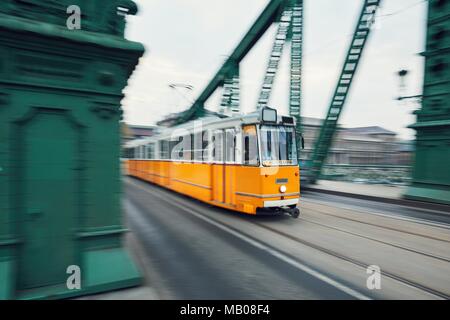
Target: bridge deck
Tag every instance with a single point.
(194, 251)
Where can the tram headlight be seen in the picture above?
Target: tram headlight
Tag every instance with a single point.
(283, 189)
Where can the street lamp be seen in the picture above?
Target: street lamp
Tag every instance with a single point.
(402, 75)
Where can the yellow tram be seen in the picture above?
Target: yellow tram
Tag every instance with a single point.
(243, 163)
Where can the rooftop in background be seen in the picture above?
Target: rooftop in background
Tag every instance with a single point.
(131, 132)
(143, 131)
(140, 131)
(374, 130)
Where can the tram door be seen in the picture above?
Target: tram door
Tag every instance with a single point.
(230, 168)
(218, 168)
(223, 170)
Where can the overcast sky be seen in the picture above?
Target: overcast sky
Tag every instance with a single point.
(188, 40)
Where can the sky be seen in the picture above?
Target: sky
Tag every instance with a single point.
(187, 41)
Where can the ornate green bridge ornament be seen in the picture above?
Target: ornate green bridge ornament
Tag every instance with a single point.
(63, 66)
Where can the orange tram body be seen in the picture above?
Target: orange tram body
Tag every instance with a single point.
(242, 163)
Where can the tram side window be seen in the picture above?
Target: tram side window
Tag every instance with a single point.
(128, 153)
(250, 154)
(230, 145)
(176, 149)
(164, 150)
(151, 151)
(198, 146)
(205, 148)
(218, 146)
(188, 147)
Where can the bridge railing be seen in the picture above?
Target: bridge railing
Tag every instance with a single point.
(367, 173)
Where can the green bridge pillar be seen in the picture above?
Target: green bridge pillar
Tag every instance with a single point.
(431, 174)
(60, 94)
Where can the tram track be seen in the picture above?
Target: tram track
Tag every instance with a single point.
(194, 213)
(369, 210)
(191, 208)
(356, 262)
(434, 256)
(382, 226)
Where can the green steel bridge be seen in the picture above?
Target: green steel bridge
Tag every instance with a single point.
(60, 180)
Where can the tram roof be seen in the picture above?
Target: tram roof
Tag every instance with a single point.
(195, 126)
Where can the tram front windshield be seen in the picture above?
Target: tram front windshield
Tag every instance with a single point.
(278, 147)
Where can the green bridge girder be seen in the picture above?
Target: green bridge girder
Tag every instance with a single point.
(328, 129)
(269, 15)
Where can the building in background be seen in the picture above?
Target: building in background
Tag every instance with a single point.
(131, 132)
(359, 146)
(366, 154)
